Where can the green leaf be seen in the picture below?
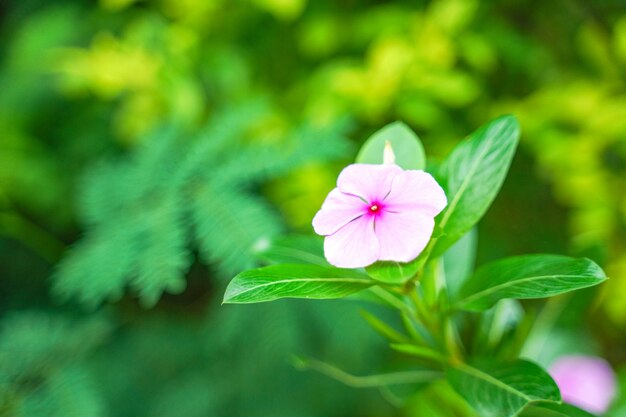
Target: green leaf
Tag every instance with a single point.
(293, 250)
(294, 281)
(458, 262)
(406, 146)
(472, 176)
(555, 410)
(393, 272)
(438, 399)
(380, 296)
(421, 352)
(502, 389)
(528, 276)
(496, 325)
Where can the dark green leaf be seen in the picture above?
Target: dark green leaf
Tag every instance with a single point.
(502, 390)
(472, 176)
(406, 146)
(528, 276)
(294, 281)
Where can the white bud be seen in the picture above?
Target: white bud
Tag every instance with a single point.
(389, 158)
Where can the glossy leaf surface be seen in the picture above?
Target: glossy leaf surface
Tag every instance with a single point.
(294, 281)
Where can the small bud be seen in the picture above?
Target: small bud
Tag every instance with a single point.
(389, 158)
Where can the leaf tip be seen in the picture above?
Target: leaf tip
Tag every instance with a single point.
(399, 123)
(299, 363)
(509, 118)
(229, 294)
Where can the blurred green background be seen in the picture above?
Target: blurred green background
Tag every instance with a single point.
(149, 148)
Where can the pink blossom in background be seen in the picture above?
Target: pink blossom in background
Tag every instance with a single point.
(378, 213)
(587, 382)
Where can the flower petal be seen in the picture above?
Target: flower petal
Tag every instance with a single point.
(370, 182)
(337, 210)
(585, 381)
(354, 245)
(416, 190)
(403, 236)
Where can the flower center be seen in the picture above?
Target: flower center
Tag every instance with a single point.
(375, 208)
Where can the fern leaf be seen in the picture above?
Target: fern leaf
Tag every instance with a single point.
(41, 370)
(147, 212)
(164, 256)
(229, 224)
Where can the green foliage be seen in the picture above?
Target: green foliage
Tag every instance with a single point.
(42, 365)
(407, 148)
(529, 276)
(497, 326)
(167, 364)
(458, 262)
(145, 214)
(294, 281)
(108, 72)
(472, 176)
(503, 389)
(494, 381)
(439, 400)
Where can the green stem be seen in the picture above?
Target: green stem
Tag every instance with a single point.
(428, 317)
(423, 315)
(452, 341)
(422, 260)
(384, 329)
(391, 397)
(410, 324)
(370, 381)
(385, 295)
(422, 352)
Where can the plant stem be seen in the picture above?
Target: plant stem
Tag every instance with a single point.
(393, 378)
(420, 308)
(384, 294)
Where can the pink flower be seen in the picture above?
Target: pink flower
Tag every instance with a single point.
(378, 213)
(587, 382)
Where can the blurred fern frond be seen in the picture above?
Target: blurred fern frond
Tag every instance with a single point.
(41, 365)
(145, 214)
(235, 362)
